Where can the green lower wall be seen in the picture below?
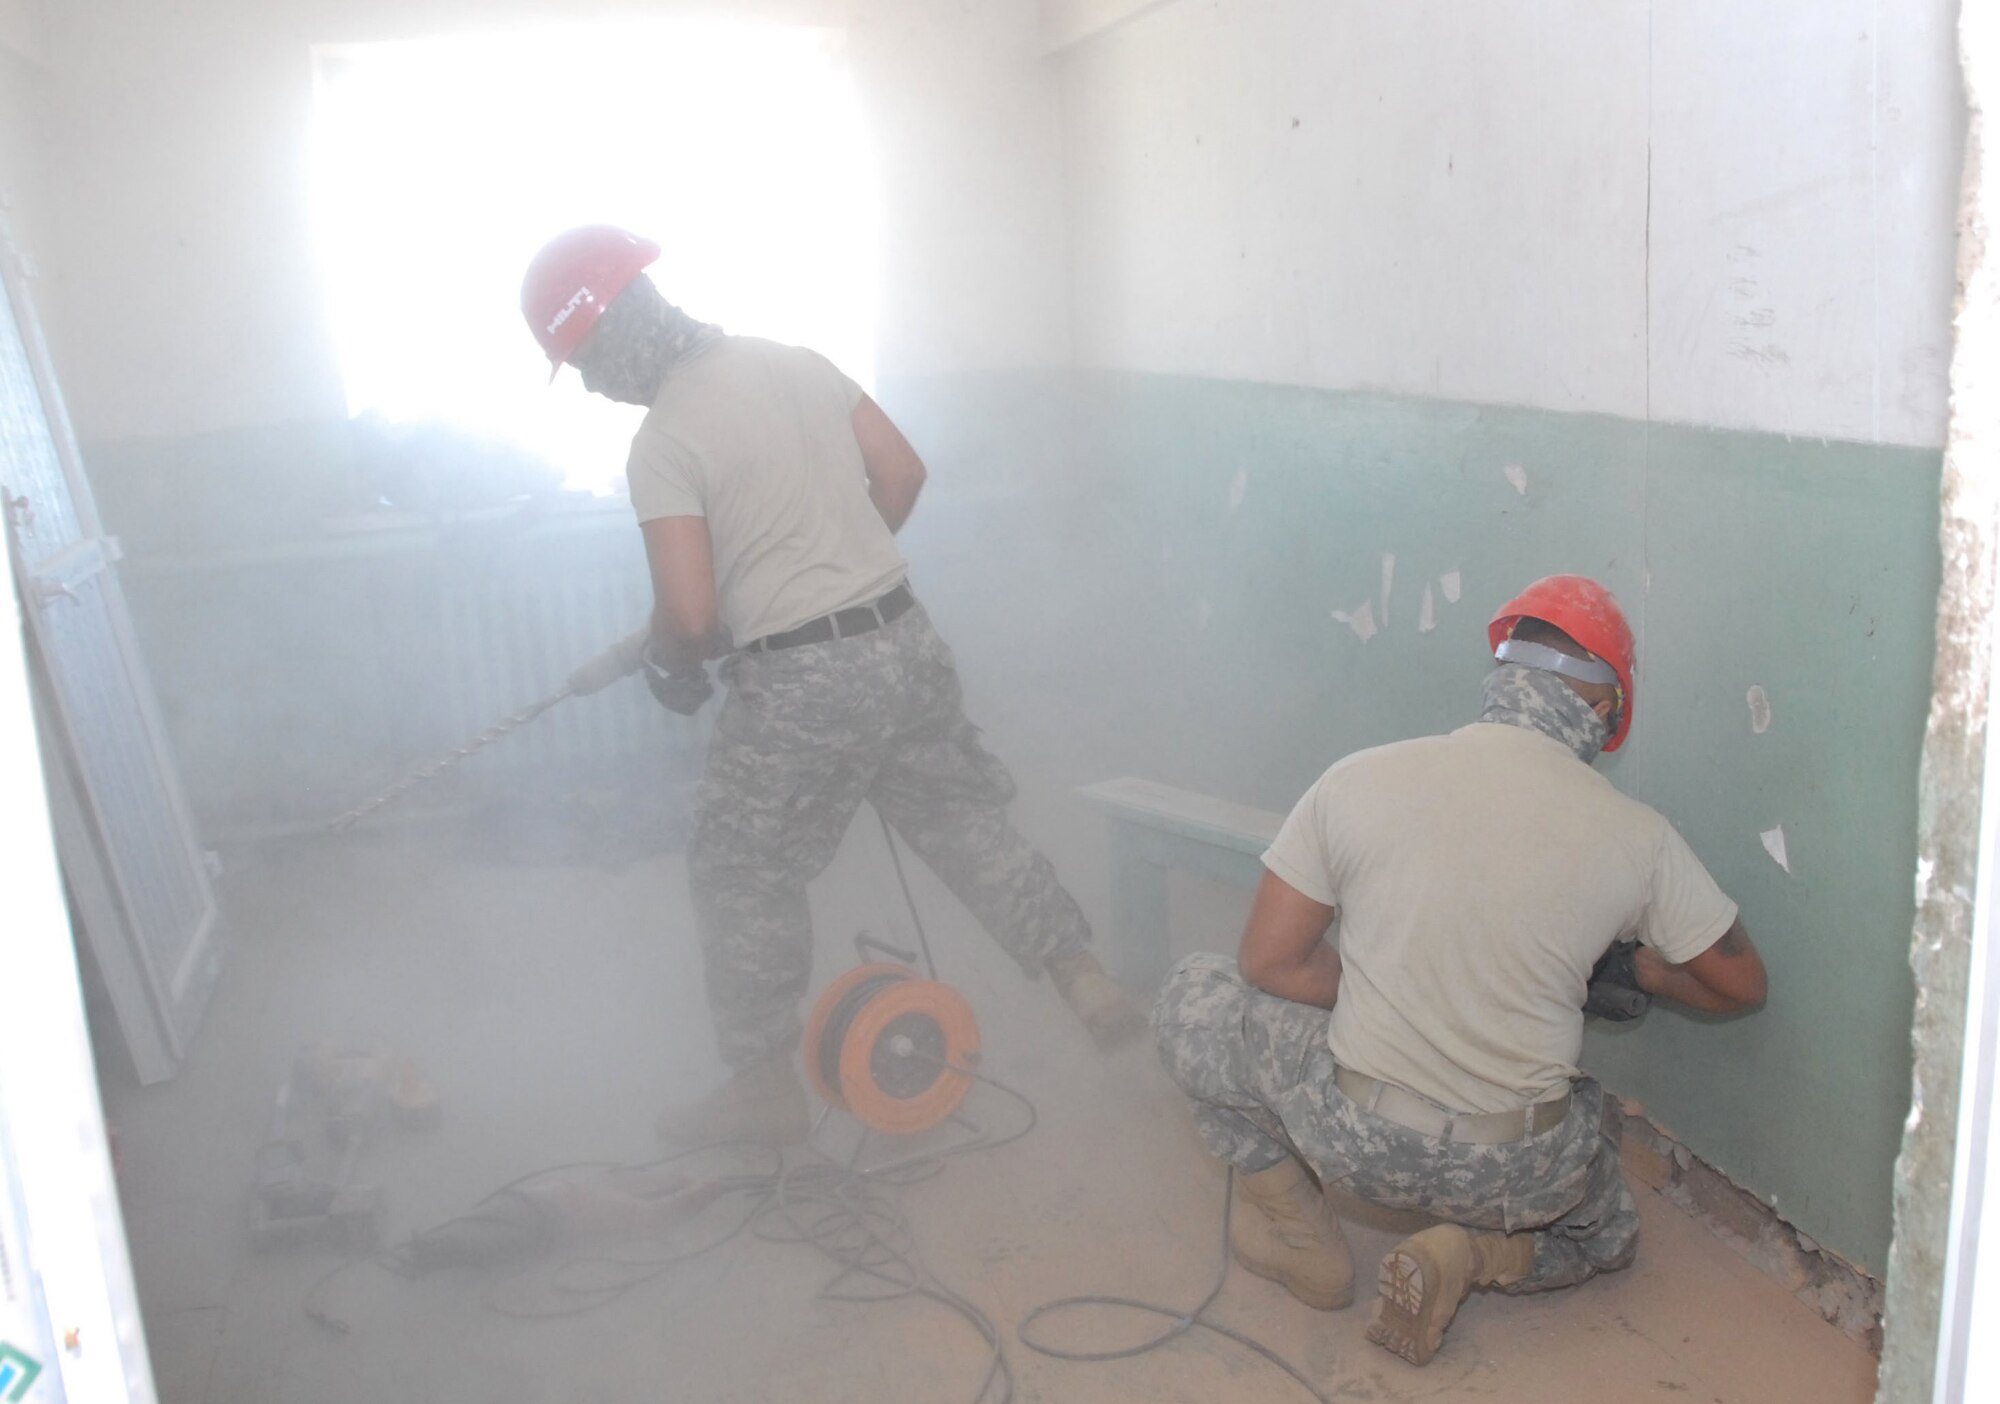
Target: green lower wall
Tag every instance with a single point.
(1114, 615)
(1118, 616)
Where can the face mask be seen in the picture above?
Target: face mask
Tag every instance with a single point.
(640, 337)
(1516, 695)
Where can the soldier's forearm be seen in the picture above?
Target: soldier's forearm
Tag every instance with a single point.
(681, 645)
(1659, 978)
(1315, 980)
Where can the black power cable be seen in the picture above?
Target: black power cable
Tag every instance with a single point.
(848, 1215)
(853, 1222)
(621, 1275)
(1183, 1322)
(896, 858)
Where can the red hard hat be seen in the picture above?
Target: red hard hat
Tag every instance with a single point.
(1584, 610)
(574, 278)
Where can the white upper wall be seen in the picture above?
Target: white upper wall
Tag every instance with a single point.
(1065, 22)
(1709, 212)
(24, 28)
(24, 102)
(1806, 162)
(184, 296)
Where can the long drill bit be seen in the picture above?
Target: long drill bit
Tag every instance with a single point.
(619, 660)
(431, 769)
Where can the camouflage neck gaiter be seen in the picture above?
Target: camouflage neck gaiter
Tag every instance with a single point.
(640, 337)
(1514, 695)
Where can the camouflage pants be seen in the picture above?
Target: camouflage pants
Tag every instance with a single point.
(1261, 1076)
(805, 736)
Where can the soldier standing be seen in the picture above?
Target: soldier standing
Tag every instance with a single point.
(769, 489)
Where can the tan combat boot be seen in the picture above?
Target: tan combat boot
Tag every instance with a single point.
(763, 1103)
(1426, 1276)
(1281, 1229)
(1112, 1017)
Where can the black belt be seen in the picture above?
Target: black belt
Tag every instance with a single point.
(841, 624)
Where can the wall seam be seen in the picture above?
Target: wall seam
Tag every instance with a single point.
(1875, 221)
(1647, 260)
(1646, 279)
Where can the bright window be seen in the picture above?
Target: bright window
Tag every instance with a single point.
(440, 166)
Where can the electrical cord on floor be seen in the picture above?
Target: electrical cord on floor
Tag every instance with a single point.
(1182, 1322)
(574, 1296)
(406, 1258)
(852, 1220)
(848, 1215)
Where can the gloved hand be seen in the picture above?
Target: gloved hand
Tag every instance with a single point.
(682, 692)
(1614, 992)
(614, 663)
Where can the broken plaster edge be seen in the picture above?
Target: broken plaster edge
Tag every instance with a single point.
(1926, 1331)
(1846, 1297)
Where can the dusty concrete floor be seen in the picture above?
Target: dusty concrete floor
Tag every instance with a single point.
(558, 1008)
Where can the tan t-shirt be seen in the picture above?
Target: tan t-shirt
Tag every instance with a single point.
(759, 439)
(1478, 877)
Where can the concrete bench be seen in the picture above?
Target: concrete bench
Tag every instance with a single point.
(1155, 828)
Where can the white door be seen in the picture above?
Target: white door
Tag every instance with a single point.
(137, 879)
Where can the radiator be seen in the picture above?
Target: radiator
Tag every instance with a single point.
(302, 679)
(515, 618)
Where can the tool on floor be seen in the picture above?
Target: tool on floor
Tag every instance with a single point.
(357, 1087)
(343, 1095)
(620, 660)
(553, 1209)
(291, 1204)
(634, 1224)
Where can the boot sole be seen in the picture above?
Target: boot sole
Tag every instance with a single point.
(1397, 1323)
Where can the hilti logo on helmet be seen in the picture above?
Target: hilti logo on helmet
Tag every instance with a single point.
(563, 314)
(574, 278)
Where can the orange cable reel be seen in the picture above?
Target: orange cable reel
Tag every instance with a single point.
(891, 1048)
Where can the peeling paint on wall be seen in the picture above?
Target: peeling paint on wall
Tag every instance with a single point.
(1427, 615)
(1829, 518)
(1388, 580)
(1518, 476)
(1774, 844)
(1361, 619)
(1760, 710)
(1451, 584)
